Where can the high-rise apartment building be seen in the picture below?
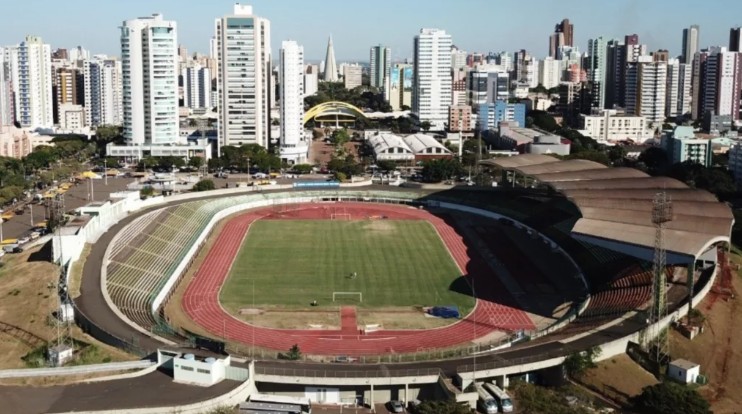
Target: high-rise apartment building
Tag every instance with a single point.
(690, 43)
(563, 36)
(549, 72)
(7, 106)
(399, 94)
(678, 91)
(68, 89)
(722, 83)
(331, 67)
(149, 62)
(432, 81)
(487, 84)
(596, 70)
(32, 83)
(646, 85)
(381, 64)
(196, 87)
(311, 80)
(735, 39)
(352, 76)
(294, 147)
(243, 78)
(103, 92)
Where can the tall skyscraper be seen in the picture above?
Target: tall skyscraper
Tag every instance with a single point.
(32, 83)
(331, 67)
(735, 39)
(381, 64)
(690, 43)
(7, 106)
(487, 84)
(196, 87)
(678, 91)
(563, 36)
(149, 51)
(399, 94)
(615, 68)
(596, 70)
(103, 92)
(569, 32)
(646, 83)
(243, 78)
(722, 81)
(549, 73)
(432, 88)
(294, 148)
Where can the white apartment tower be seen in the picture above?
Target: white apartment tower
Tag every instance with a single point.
(550, 72)
(646, 85)
(103, 92)
(32, 83)
(678, 93)
(381, 65)
(149, 63)
(243, 78)
(294, 148)
(432, 82)
(196, 87)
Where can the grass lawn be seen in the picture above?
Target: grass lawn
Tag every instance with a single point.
(292, 262)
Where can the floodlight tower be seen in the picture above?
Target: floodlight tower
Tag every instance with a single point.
(659, 342)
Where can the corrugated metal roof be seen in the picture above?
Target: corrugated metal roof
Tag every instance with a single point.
(616, 203)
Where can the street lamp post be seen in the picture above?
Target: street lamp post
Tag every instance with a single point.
(30, 206)
(1, 226)
(105, 172)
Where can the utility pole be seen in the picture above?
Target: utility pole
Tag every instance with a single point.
(105, 172)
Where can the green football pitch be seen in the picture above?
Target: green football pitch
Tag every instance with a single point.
(290, 263)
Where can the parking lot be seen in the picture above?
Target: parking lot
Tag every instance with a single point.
(79, 195)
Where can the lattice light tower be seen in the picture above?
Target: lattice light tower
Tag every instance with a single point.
(659, 344)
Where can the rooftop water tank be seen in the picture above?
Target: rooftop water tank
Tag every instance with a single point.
(210, 360)
(189, 357)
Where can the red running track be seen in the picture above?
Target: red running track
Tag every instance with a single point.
(201, 299)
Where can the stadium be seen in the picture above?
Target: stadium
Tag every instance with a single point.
(556, 260)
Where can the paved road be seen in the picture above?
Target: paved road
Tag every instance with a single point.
(77, 196)
(152, 390)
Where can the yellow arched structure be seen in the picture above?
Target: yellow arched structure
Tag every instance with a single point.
(334, 109)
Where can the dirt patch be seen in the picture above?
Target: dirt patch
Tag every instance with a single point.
(719, 348)
(619, 378)
(293, 320)
(28, 295)
(401, 318)
(380, 226)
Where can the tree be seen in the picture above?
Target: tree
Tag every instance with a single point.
(656, 160)
(386, 165)
(542, 120)
(450, 406)
(146, 191)
(669, 398)
(576, 364)
(425, 126)
(196, 162)
(340, 137)
(435, 171)
(204, 185)
(302, 168)
(293, 354)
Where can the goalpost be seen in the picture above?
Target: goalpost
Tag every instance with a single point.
(340, 214)
(336, 294)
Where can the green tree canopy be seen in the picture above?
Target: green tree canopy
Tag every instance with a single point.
(670, 398)
(435, 171)
(204, 185)
(442, 407)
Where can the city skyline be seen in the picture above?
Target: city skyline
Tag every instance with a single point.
(657, 26)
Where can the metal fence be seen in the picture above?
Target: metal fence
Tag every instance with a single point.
(381, 372)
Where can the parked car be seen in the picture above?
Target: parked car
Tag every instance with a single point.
(24, 240)
(395, 406)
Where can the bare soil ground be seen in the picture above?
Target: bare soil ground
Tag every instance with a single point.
(719, 348)
(28, 295)
(76, 272)
(618, 378)
(292, 319)
(401, 318)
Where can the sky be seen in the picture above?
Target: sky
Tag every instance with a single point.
(476, 25)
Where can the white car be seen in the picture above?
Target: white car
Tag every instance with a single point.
(23, 240)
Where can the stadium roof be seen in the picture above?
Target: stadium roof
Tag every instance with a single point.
(616, 205)
(419, 143)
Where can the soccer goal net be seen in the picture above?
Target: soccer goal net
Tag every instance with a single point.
(340, 216)
(340, 295)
